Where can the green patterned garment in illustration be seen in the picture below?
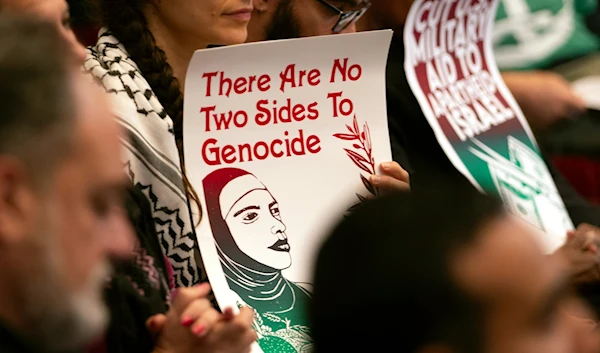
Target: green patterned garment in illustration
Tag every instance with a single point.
(284, 331)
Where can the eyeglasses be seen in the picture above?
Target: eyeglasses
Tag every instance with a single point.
(347, 18)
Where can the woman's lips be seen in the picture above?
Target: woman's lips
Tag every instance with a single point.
(281, 245)
(244, 14)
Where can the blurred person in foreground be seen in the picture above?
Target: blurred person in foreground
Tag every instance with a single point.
(62, 221)
(468, 278)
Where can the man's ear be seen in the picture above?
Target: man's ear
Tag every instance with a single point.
(17, 200)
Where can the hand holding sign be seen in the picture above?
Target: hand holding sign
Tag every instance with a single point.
(581, 253)
(395, 178)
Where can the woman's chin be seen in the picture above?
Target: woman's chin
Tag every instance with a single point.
(281, 261)
(233, 37)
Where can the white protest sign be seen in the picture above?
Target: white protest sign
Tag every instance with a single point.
(280, 140)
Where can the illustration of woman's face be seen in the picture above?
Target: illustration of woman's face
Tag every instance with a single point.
(255, 222)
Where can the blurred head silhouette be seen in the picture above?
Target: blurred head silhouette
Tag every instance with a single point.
(53, 11)
(441, 271)
(61, 182)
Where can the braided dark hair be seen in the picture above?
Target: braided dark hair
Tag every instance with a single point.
(126, 21)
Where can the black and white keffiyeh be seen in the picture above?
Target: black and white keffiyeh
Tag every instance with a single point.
(150, 154)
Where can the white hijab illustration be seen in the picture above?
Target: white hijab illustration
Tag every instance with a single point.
(253, 248)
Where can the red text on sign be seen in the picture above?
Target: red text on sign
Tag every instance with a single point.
(298, 78)
(343, 105)
(223, 120)
(239, 85)
(214, 154)
(352, 73)
(285, 114)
